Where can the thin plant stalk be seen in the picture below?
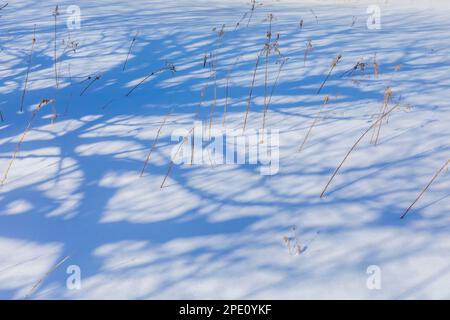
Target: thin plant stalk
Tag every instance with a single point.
(169, 168)
(214, 73)
(168, 67)
(375, 66)
(335, 62)
(308, 49)
(387, 98)
(253, 3)
(71, 91)
(89, 84)
(266, 73)
(315, 16)
(41, 280)
(373, 125)
(249, 99)
(266, 108)
(55, 14)
(129, 51)
(316, 119)
(426, 188)
(22, 99)
(227, 91)
(43, 103)
(154, 143)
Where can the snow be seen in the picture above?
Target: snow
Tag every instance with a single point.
(214, 230)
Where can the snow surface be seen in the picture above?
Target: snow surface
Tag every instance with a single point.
(217, 231)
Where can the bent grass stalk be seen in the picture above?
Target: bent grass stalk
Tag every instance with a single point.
(89, 84)
(252, 10)
(55, 14)
(387, 98)
(266, 108)
(41, 280)
(376, 66)
(169, 67)
(214, 75)
(154, 143)
(308, 49)
(169, 168)
(316, 119)
(129, 51)
(43, 103)
(426, 188)
(249, 99)
(22, 99)
(333, 65)
(267, 47)
(373, 125)
(227, 90)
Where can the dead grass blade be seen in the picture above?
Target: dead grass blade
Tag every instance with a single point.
(41, 280)
(43, 103)
(55, 14)
(129, 51)
(373, 125)
(387, 98)
(227, 91)
(168, 67)
(266, 108)
(316, 119)
(89, 84)
(154, 143)
(426, 188)
(169, 168)
(333, 65)
(249, 99)
(22, 99)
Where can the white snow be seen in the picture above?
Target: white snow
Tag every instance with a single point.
(216, 231)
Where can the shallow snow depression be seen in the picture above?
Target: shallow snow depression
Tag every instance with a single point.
(106, 194)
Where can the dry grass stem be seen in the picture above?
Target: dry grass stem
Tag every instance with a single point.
(376, 67)
(387, 98)
(129, 51)
(445, 166)
(373, 125)
(333, 65)
(169, 168)
(43, 103)
(89, 84)
(266, 108)
(308, 49)
(33, 42)
(154, 143)
(55, 14)
(316, 119)
(227, 91)
(41, 280)
(249, 99)
(167, 67)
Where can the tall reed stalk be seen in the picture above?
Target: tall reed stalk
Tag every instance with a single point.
(373, 125)
(266, 108)
(445, 166)
(22, 99)
(55, 14)
(154, 143)
(43, 103)
(333, 65)
(168, 67)
(316, 119)
(129, 51)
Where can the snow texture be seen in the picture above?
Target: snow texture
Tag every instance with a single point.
(217, 231)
